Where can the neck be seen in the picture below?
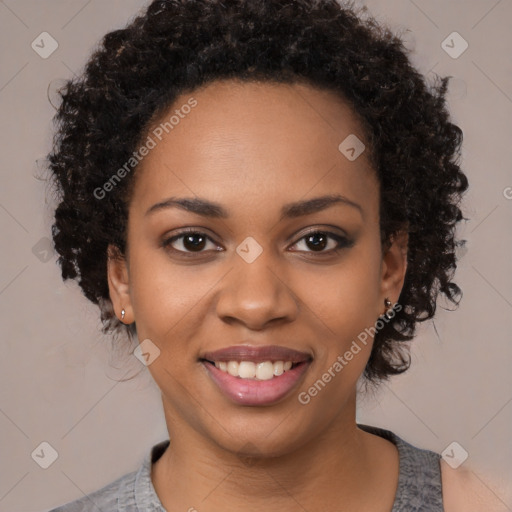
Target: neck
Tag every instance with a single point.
(338, 464)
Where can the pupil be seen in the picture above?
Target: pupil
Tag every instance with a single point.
(315, 236)
(190, 237)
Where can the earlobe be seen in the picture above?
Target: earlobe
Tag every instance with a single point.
(119, 284)
(394, 266)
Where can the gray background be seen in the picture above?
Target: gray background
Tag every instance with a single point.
(58, 381)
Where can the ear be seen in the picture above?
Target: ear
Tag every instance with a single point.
(119, 284)
(394, 266)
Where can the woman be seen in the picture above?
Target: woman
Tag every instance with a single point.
(265, 194)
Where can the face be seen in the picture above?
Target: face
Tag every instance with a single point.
(287, 254)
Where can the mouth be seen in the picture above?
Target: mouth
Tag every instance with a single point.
(250, 375)
(265, 370)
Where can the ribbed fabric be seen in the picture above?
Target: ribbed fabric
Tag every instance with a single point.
(419, 483)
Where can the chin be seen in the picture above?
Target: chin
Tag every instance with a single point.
(264, 437)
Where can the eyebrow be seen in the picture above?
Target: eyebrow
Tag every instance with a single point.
(207, 208)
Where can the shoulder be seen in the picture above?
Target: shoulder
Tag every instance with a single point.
(105, 498)
(419, 478)
(463, 491)
(125, 493)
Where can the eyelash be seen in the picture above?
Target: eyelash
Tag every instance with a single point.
(342, 242)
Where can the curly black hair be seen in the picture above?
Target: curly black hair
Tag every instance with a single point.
(174, 46)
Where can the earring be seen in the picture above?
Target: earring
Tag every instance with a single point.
(122, 314)
(387, 304)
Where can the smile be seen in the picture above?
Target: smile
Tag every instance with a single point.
(249, 375)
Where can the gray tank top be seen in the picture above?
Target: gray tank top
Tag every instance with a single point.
(419, 480)
(419, 483)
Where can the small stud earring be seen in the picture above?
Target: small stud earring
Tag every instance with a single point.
(387, 304)
(122, 314)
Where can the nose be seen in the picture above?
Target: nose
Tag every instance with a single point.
(256, 294)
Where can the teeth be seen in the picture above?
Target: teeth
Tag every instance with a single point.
(278, 368)
(250, 370)
(247, 370)
(265, 371)
(233, 368)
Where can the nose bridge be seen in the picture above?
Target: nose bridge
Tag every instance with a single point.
(255, 291)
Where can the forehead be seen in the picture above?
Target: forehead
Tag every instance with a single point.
(233, 140)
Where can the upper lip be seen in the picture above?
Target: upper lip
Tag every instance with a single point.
(258, 354)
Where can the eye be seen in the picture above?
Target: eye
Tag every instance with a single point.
(318, 240)
(192, 241)
(189, 241)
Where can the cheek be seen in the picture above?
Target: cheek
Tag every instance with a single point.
(345, 304)
(346, 307)
(346, 297)
(161, 294)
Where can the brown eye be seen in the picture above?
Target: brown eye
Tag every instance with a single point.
(188, 242)
(194, 241)
(318, 241)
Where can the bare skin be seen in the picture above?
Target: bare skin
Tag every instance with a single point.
(254, 148)
(464, 491)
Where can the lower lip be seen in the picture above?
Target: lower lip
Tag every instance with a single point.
(256, 392)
